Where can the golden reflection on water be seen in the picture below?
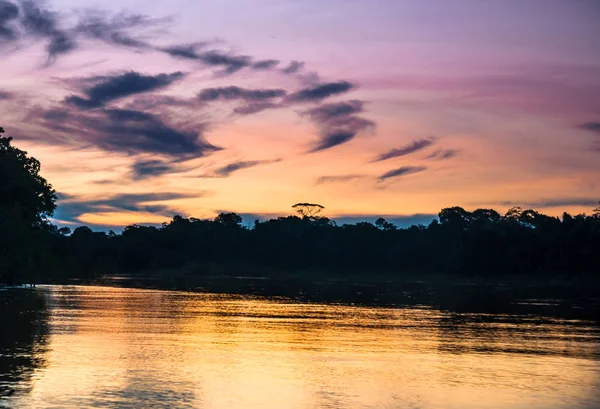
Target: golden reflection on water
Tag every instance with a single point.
(112, 347)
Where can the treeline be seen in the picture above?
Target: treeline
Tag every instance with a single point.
(480, 243)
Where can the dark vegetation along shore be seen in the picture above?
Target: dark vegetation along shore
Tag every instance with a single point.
(482, 243)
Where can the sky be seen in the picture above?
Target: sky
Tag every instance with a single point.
(139, 110)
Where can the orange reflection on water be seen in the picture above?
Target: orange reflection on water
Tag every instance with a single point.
(112, 347)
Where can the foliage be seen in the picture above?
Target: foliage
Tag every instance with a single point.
(26, 202)
(308, 209)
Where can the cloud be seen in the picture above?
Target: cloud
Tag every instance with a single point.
(415, 146)
(444, 154)
(144, 169)
(42, 23)
(129, 131)
(293, 67)
(402, 171)
(116, 29)
(112, 88)
(5, 95)
(321, 91)
(214, 58)
(70, 208)
(265, 64)
(184, 51)
(227, 170)
(8, 14)
(591, 126)
(255, 107)
(337, 179)
(337, 123)
(591, 202)
(153, 101)
(232, 63)
(331, 139)
(327, 112)
(233, 93)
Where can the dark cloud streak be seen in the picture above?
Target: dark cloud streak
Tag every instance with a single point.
(120, 86)
(402, 171)
(337, 179)
(591, 126)
(413, 147)
(321, 91)
(42, 23)
(145, 169)
(265, 64)
(337, 123)
(255, 107)
(234, 93)
(116, 29)
(293, 67)
(227, 170)
(444, 154)
(327, 112)
(8, 14)
(128, 131)
(71, 209)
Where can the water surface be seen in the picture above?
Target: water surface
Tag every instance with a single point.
(80, 347)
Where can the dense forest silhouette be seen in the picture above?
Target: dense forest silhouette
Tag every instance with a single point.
(480, 243)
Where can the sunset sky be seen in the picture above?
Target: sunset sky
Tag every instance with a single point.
(142, 109)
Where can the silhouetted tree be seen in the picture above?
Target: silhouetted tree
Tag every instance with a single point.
(383, 224)
(229, 219)
(308, 209)
(596, 212)
(26, 202)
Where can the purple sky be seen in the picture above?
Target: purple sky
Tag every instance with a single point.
(139, 109)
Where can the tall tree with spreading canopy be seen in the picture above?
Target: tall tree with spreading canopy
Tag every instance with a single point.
(27, 200)
(308, 210)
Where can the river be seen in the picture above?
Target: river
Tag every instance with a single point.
(110, 347)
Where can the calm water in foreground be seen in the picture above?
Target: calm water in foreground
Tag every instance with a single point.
(79, 347)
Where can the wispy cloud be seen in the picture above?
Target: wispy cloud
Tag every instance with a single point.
(237, 93)
(328, 112)
(230, 63)
(444, 154)
(591, 126)
(144, 169)
(70, 209)
(9, 12)
(265, 64)
(591, 202)
(255, 107)
(227, 170)
(4, 95)
(42, 23)
(108, 89)
(337, 179)
(117, 29)
(321, 91)
(293, 67)
(412, 147)
(338, 123)
(128, 131)
(402, 171)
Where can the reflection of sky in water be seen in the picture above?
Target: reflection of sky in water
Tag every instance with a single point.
(111, 347)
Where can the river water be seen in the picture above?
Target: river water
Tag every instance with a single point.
(108, 347)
